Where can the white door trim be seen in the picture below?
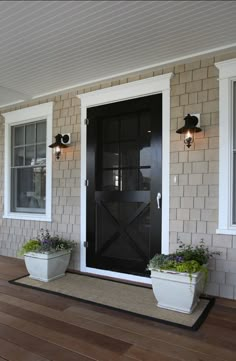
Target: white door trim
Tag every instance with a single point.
(136, 89)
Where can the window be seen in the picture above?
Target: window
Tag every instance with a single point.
(28, 167)
(227, 166)
(27, 190)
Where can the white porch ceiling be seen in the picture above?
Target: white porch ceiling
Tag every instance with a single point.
(47, 46)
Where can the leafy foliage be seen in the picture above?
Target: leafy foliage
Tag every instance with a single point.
(45, 243)
(186, 259)
(31, 246)
(200, 253)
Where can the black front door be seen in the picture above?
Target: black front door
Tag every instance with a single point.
(124, 171)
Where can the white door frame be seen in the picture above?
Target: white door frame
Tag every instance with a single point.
(136, 89)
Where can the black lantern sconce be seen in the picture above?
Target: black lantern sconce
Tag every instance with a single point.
(189, 128)
(62, 141)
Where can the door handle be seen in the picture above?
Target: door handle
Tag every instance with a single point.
(158, 200)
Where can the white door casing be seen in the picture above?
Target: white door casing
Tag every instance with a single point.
(136, 89)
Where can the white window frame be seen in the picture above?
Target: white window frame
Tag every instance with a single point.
(158, 84)
(24, 116)
(227, 76)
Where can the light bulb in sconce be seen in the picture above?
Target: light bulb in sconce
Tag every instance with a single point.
(188, 139)
(57, 151)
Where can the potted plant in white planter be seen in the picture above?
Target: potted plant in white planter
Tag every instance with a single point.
(178, 279)
(47, 257)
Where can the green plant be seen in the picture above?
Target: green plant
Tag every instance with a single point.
(45, 243)
(186, 259)
(31, 246)
(199, 253)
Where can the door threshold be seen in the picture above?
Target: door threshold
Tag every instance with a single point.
(117, 276)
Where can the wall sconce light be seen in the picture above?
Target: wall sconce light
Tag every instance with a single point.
(62, 141)
(189, 129)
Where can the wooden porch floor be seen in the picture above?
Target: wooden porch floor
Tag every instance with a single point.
(35, 326)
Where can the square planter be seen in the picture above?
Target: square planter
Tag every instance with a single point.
(47, 266)
(177, 291)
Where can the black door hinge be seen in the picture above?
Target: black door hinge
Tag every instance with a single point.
(86, 182)
(86, 244)
(86, 121)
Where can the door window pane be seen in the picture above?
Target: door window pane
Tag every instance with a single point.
(129, 179)
(145, 179)
(110, 130)
(110, 180)
(145, 155)
(129, 127)
(111, 155)
(145, 124)
(129, 156)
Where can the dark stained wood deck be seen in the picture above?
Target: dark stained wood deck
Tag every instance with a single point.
(35, 326)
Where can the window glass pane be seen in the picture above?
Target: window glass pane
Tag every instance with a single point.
(29, 155)
(41, 154)
(28, 189)
(19, 156)
(39, 174)
(19, 135)
(41, 132)
(234, 189)
(234, 114)
(30, 134)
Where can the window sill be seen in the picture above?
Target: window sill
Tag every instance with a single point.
(28, 217)
(230, 231)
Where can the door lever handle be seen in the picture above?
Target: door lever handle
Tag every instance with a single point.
(158, 200)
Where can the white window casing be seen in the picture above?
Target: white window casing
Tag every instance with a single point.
(227, 77)
(24, 116)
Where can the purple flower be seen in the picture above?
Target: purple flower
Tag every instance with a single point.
(179, 259)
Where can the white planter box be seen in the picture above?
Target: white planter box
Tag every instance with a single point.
(47, 267)
(176, 291)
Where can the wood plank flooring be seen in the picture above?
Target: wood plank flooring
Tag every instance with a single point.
(35, 326)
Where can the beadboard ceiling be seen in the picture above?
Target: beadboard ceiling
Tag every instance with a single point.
(48, 46)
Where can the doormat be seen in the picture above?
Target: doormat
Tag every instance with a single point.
(134, 299)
